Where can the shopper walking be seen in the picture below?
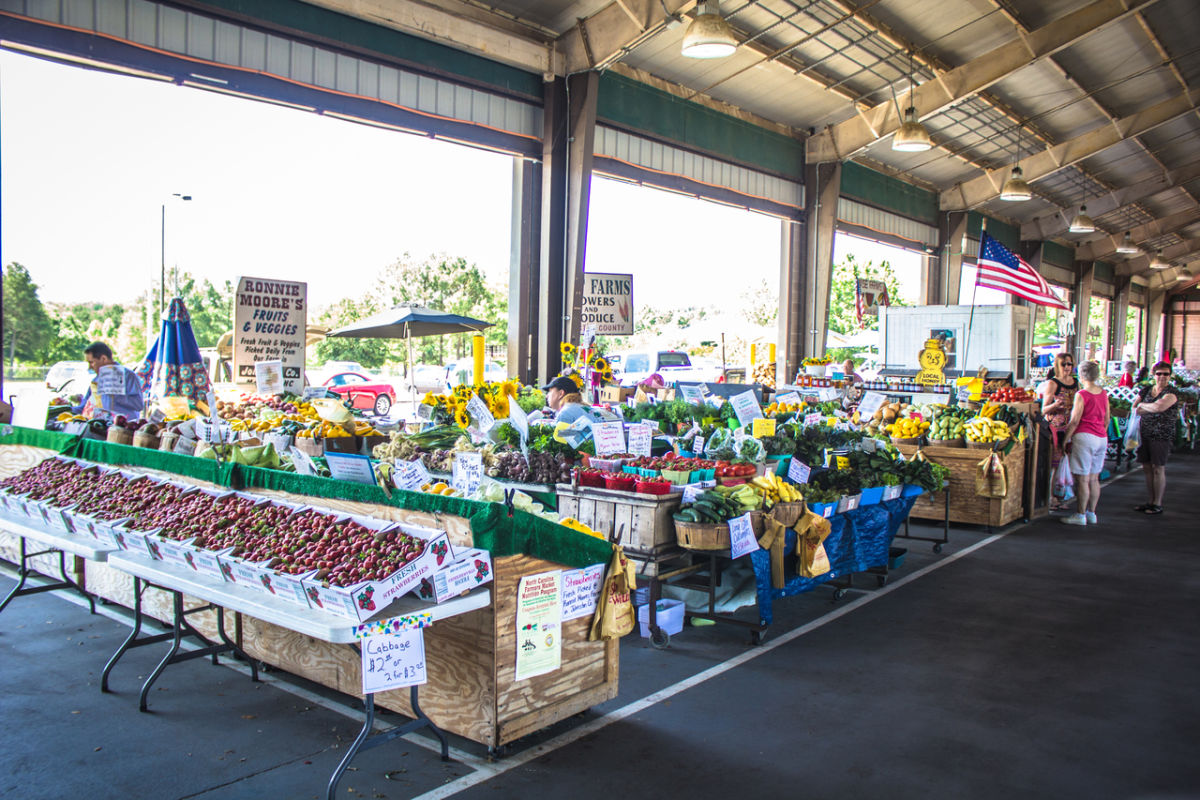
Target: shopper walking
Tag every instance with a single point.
(1127, 379)
(1087, 433)
(1058, 398)
(1156, 408)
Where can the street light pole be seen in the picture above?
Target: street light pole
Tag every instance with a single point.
(162, 268)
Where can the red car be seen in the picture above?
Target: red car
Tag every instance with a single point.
(363, 392)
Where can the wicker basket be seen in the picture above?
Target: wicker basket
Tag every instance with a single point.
(702, 535)
(309, 445)
(946, 442)
(117, 435)
(897, 440)
(167, 441)
(986, 445)
(145, 439)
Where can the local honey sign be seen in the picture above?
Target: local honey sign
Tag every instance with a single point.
(933, 363)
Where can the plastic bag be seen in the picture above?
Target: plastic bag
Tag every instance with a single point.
(615, 616)
(1064, 481)
(1133, 433)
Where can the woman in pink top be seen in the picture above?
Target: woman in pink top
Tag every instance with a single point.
(1087, 433)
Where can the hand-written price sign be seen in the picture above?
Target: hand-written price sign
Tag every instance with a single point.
(303, 462)
(393, 660)
(798, 471)
(791, 399)
(640, 437)
(763, 427)
(870, 403)
(467, 472)
(410, 475)
(746, 406)
(694, 490)
(479, 412)
(111, 380)
(692, 394)
(813, 419)
(741, 536)
(609, 437)
(698, 446)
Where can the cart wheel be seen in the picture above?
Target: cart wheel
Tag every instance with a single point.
(660, 639)
(881, 579)
(838, 594)
(937, 548)
(757, 637)
(497, 753)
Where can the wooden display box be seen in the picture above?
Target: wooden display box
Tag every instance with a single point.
(615, 394)
(642, 521)
(965, 505)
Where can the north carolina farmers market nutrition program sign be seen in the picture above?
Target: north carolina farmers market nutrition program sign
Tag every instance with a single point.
(270, 319)
(608, 303)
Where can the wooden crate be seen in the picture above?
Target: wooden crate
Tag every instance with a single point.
(965, 505)
(642, 521)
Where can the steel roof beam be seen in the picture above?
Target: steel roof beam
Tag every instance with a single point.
(1107, 246)
(977, 191)
(459, 25)
(1054, 225)
(1141, 264)
(843, 140)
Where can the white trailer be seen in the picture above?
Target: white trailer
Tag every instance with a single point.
(998, 337)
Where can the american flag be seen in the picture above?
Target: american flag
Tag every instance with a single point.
(1001, 268)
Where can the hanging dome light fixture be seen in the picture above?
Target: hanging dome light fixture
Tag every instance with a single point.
(912, 136)
(1082, 222)
(1015, 189)
(1156, 262)
(1127, 247)
(709, 35)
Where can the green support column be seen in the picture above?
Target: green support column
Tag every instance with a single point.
(945, 273)
(822, 184)
(791, 301)
(524, 256)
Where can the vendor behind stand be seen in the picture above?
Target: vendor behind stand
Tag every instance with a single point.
(563, 397)
(127, 402)
(848, 372)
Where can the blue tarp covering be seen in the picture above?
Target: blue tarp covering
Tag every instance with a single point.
(857, 541)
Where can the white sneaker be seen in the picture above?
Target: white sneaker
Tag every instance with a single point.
(1075, 519)
(1090, 516)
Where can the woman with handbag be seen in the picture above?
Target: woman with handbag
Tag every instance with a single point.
(1058, 398)
(1087, 433)
(1158, 415)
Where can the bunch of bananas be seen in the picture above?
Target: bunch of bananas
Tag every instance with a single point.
(442, 488)
(67, 416)
(907, 428)
(986, 430)
(775, 489)
(576, 525)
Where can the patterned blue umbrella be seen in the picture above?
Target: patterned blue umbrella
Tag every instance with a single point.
(174, 366)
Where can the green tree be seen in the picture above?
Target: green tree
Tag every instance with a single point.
(28, 329)
(843, 317)
(210, 307)
(371, 353)
(444, 284)
(81, 324)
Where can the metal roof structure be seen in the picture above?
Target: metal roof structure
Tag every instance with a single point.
(1096, 100)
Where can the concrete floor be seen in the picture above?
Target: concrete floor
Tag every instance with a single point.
(1045, 661)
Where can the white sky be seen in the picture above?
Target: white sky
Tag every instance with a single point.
(90, 157)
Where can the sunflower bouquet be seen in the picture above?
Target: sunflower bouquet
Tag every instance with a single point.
(585, 366)
(823, 361)
(451, 408)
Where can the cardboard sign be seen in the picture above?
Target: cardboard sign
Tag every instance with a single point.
(410, 475)
(581, 591)
(870, 403)
(640, 437)
(763, 427)
(741, 536)
(467, 473)
(798, 471)
(350, 467)
(270, 318)
(268, 376)
(692, 394)
(111, 380)
(746, 407)
(393, 660)
(303, 462)
(609, 438)
(479, 412)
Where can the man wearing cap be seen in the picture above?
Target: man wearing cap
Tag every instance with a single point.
(563, 397)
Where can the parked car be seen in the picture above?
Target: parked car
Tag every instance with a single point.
(672, 365)
(363, 392)
(460, 372)
(69, 377)
(427, 378)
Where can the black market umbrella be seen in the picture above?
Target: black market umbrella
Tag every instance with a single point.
(405, 322)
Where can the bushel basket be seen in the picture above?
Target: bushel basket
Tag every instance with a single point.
(702, 535)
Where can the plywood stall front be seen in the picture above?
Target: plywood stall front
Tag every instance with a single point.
(965, 505)
(472, 690)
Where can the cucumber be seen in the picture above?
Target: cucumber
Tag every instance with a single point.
(687, 515)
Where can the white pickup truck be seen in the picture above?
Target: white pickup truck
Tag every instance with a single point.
(672, 365)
